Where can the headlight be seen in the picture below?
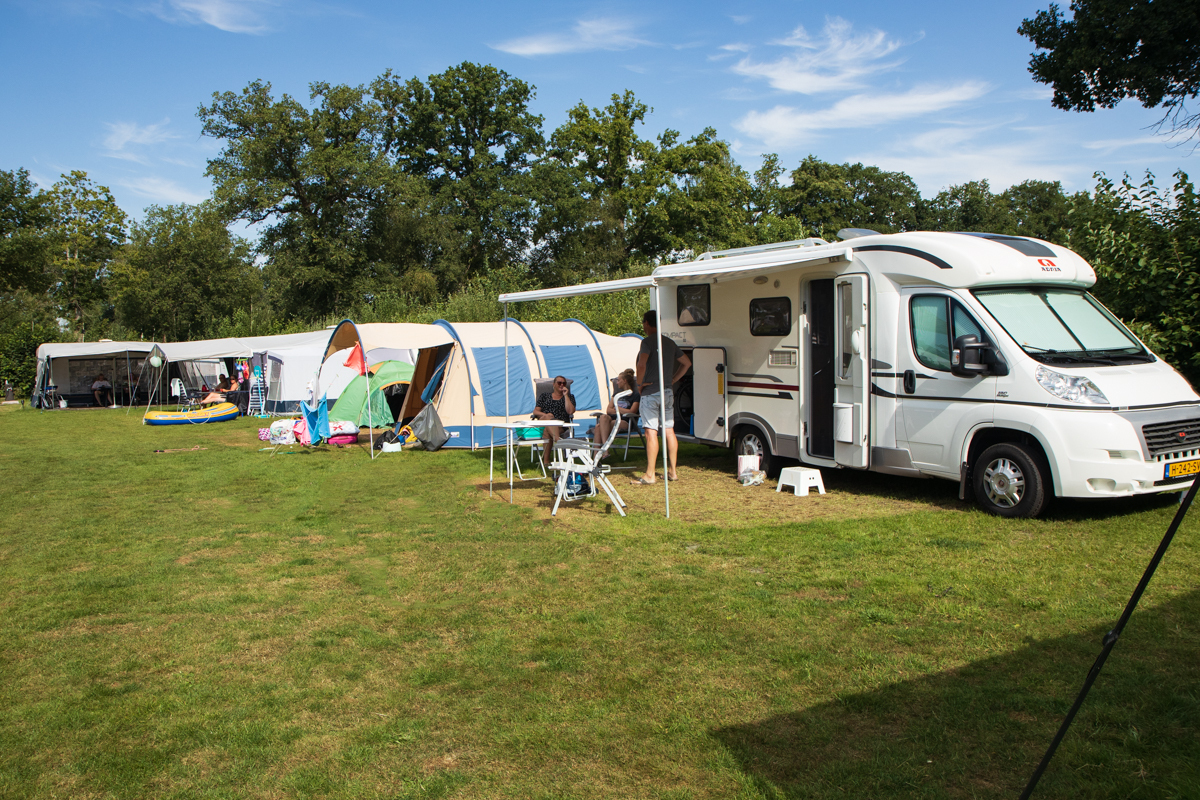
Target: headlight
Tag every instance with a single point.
(1073, 389)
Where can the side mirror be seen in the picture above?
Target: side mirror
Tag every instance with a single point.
(967, 357)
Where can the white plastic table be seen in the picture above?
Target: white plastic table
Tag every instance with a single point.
(509, 427)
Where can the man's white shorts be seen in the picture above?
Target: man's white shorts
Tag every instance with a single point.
(648, 411)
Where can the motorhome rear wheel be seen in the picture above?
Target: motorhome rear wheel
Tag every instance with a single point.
(751, 442)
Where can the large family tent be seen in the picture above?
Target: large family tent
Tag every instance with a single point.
(459, 368)
(381, 341)
(66, 370)
(284, 365)
(352, 404)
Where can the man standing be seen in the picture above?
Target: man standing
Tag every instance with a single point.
(658, 402)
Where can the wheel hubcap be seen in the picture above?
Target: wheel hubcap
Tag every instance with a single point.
(1004, 482)
(751, 446)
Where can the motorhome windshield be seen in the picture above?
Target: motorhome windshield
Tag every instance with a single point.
(1061, 326)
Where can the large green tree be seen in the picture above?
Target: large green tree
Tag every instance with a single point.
(1114, 49)
(181, 272)
(89, 229)
(311, 177)
(609, 198)
(26, 223)
(827, 197)
(469, 133)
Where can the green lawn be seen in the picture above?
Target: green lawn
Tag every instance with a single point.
(223, 623)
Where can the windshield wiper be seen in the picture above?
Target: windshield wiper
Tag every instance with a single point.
(1072, 357)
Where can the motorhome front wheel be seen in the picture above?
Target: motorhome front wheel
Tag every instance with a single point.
(1009, 481)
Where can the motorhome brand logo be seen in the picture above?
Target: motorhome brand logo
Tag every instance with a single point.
(1048, 265)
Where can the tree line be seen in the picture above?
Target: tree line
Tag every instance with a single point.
(411, 199)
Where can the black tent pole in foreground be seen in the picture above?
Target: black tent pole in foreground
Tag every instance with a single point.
(1110, 638)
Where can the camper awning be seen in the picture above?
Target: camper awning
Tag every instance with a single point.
(710, 270)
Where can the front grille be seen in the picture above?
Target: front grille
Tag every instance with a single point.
(1166, 440)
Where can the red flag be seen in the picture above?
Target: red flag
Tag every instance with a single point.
(357, 360)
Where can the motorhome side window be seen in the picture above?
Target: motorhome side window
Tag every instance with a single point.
(771, 316)
(693, 304)
(936, 322)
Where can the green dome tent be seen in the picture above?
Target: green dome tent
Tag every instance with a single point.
(351, 406)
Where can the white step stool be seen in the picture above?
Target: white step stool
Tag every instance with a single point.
(801, 478)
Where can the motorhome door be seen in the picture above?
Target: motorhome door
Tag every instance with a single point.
(708, 390)
(851, 427)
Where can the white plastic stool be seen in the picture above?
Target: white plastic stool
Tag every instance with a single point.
(801, 478)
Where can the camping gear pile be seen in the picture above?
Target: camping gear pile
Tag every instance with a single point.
(296, 431)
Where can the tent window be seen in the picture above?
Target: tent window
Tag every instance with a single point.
(574, 361)
(490, 363)
(693, 305)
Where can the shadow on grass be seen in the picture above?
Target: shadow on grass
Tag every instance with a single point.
(979, 731)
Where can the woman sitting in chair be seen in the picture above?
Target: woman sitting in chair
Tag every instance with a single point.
(558, 404)
(218, 395)
(625, 406)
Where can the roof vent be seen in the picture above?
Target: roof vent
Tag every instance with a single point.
(854, 233)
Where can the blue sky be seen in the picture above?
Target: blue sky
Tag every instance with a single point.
(937, 89)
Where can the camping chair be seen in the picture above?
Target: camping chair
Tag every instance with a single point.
(581, 457)
(187, 400)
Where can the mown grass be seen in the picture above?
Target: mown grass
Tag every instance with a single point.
(222, 623)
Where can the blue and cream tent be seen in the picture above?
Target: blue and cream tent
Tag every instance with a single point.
(462, 375)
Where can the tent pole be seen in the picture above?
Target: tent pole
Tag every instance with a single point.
(507, 433)
(370, 424)
(128, 383)
(662, 395)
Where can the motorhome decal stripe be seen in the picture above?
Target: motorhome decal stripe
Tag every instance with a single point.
(881, 392)
(780, 387)
(779, 396)
(756, 377)
(908, 251)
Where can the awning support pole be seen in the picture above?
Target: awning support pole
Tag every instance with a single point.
(662, 396)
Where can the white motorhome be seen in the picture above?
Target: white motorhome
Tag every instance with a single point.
(979, 358)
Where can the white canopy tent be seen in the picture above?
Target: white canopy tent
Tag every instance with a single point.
(71, 367)
(291, 361)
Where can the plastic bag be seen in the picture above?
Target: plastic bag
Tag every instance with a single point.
(427, 427)
(753, 477)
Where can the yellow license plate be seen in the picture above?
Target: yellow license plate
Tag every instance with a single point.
(1181, 469)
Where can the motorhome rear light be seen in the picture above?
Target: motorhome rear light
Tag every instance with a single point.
(1072, 388)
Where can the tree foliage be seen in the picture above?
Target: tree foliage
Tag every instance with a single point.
(181, 272)
(1114, 49)
(1143, 241)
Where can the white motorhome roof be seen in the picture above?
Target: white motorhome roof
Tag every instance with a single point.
(951, 259)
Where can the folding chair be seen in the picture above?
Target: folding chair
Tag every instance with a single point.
(582, 457)
(631, 430)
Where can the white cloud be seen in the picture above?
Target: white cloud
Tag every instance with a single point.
(233, 16)
(123, 134)
(838, 61)
(585, 36)
(784, 126)
(1110, 145)
(161, 190)
(741, 19)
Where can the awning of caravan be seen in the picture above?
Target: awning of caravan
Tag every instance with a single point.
(701, 271)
